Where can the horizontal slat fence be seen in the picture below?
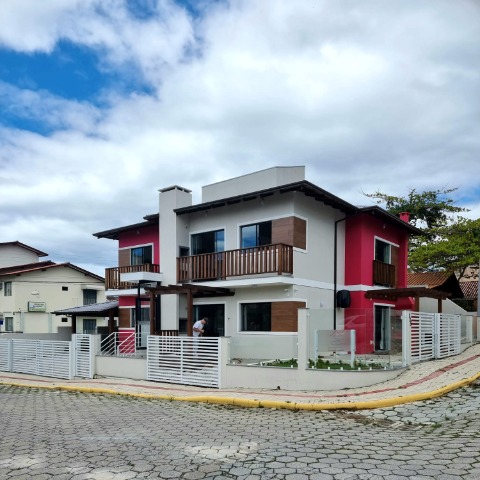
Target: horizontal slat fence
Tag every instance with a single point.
(184, 360)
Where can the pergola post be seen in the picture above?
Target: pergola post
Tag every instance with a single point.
(111, 321)
(152, 314)
(189, 313)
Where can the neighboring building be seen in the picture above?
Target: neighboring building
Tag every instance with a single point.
(254, 251)
(138, 252)
(30, 290)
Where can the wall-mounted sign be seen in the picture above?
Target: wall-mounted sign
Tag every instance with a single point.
(37, 306)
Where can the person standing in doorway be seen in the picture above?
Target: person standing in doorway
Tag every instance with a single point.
(199, 327)
(198, 330)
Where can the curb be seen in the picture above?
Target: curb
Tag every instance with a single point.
(274, 404)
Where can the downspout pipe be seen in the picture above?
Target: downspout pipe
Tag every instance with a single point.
(335, 255)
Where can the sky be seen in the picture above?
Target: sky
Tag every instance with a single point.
(104, 102)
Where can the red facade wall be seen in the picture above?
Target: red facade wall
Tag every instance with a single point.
(139, 237)
(360, 233)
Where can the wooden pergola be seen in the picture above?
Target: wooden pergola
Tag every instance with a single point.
(393, 294)
(105, 309)
(191, 291)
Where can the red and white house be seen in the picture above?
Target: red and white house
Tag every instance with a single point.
(255, 250)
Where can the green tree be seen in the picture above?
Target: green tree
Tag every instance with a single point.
(450, 242)
(453, 247)
(428, 210)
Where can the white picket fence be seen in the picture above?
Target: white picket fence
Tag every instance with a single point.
(48, 358)
(184, 360)
(434, 335)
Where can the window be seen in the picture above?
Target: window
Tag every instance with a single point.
(8, 324)
(144, 315)
(256, 234)
(382, 251)
(64, 289)
(7, 289)
(256, 317)
(64, 319)
(141, 255)
(208, 242)
(89, 326)
(89, 297)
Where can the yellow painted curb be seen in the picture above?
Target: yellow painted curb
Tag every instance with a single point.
(253, 403)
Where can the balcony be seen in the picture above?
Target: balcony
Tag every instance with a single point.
(112, 275)
(266, 259)
(384, 274)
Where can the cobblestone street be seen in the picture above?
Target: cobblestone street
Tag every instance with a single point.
(62, 435)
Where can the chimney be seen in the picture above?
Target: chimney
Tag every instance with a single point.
(405, 216)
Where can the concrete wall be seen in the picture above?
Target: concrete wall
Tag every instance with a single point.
(431, 305)
(238, 376)
(11, 255)
(253, 182)
(134, 368)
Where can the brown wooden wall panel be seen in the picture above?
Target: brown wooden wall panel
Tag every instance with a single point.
(282, 231)
(290, 231)
(124, 257)
(285, 316)
(124, 317)
(394, 259)
(299, 233)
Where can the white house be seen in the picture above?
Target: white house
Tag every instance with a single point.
(30, 290)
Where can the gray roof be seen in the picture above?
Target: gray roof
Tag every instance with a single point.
(94, 308)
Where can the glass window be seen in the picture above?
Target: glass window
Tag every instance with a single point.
(141, 255)
(7, 289)
(89, 326)
(256, 317)
(144, 314)
(9, 324)
(256, 234)
(382, 251)
(208, 242)
(89, 297)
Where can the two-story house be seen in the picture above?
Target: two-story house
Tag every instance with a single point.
(259, 247)
(31, 290)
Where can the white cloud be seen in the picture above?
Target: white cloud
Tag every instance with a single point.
(370, 96)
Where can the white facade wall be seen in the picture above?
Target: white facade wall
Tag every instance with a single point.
(173, 234)
(431, 305)
(11, 255)
(45, 286)
(253, 182)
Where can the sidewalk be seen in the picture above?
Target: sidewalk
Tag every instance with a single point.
(420, 382)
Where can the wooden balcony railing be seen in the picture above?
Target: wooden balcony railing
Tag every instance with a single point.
(112, 275)
(383, 274)
(277, 259)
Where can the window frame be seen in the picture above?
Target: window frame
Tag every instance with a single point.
(217, 243)
(86, 293)
(144, 259)
(259, 236)
(242, 320)
(7, 289)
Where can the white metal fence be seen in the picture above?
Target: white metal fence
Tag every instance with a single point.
(84, 356)
(121, 344)
(184, 360)
(48, 358)
(433, 335)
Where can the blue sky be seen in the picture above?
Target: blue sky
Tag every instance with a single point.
(103, 102)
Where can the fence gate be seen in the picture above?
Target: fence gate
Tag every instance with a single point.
(41, 357)
(184, 360)
(83, 356)
(434, 335)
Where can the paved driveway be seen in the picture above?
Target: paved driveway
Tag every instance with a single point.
(61, 435)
